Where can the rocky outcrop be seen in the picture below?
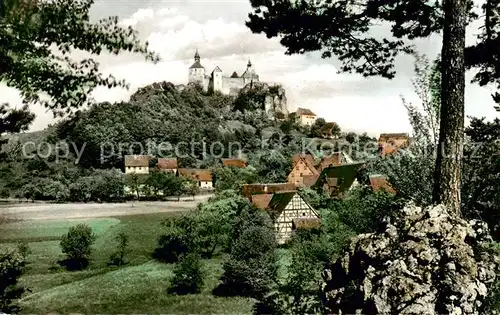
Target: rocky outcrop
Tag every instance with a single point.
(274, 97)
(422, 261)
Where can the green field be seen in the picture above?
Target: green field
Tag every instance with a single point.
(139, 287)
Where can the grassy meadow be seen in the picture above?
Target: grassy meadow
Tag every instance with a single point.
(139, 287)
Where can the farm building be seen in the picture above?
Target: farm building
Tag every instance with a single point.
(290, 211)
(138, 164)
(167, 165)
(234, 162)
(202, 176)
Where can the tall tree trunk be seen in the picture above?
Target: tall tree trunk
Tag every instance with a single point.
(451, 137)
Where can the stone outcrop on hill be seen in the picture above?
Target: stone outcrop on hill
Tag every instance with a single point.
(422, 261)
(275, 97)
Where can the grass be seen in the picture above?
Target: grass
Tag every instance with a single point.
(141, 286)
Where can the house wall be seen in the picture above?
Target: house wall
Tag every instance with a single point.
(196, 75)
(307, 120)
(296, 175)
(295, 209)
(205, 185)
(137, 169)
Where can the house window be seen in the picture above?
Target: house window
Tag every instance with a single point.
(303, 214)
(300, 174)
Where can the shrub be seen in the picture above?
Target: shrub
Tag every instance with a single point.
(77, 245)
(118, 257)
(251, 269)
(12, 266)
(188, 275)
(171, 246)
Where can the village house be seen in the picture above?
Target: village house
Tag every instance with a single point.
(138, 164)
(168, 165)
(234, 162)
(304, 172)
(389, 143)
(202, 176)
(334, 181)
(289, 211)
(306, 116)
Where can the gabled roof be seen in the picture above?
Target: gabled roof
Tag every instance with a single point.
(380, 183)
(201, 175)
(339, 178)
(137, 160)
(304, 111)
(217, 69)
(310, 180)
(167, 163)
(234, 75)
(261, 201)
(307, 159)
(234, 162)
(330, 160)
(279, 202)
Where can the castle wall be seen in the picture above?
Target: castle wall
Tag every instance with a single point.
(232, 86)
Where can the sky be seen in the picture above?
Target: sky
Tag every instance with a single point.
(175, 29)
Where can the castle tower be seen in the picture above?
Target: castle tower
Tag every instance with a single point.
(249, 75)
(196, 71)
(217, 79)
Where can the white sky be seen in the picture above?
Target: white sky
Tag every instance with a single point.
(175, 29)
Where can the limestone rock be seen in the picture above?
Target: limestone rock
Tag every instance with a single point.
(422, 261)
(275, 100)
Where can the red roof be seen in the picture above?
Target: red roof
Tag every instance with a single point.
(248, 190)
(379, 183)
(333, 159)
(167, 163)
(201, 175)
(304, 112)
(234, 162)
(261, 201)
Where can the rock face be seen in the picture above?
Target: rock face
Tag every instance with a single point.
(275, 97)
(423, 261)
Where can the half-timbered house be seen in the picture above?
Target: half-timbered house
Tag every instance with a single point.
(289, 210)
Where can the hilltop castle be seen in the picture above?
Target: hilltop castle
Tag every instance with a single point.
(218, 81)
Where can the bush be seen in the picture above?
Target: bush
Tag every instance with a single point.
(12, 266)
(118, 257)
(188, 275)
(171, 246)
(251, 269)
(76, 244)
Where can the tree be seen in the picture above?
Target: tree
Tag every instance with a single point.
(118, 257)
(37, 39)
(13, 121)
(77, 245)
(340, 28)
(188, 275)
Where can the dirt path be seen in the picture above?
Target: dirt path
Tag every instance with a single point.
(30, 211)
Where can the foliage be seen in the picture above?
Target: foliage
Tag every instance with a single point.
(251, 269)
(418, 160)
(12, 266)
(13, 121)
(188, 275)
(118, 257)
(232, 177)
(172, 245)
(77, 245)
(38, 38)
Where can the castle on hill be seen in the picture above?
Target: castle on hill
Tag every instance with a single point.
(218, 81)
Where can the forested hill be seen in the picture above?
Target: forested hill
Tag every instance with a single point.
(157, 119)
